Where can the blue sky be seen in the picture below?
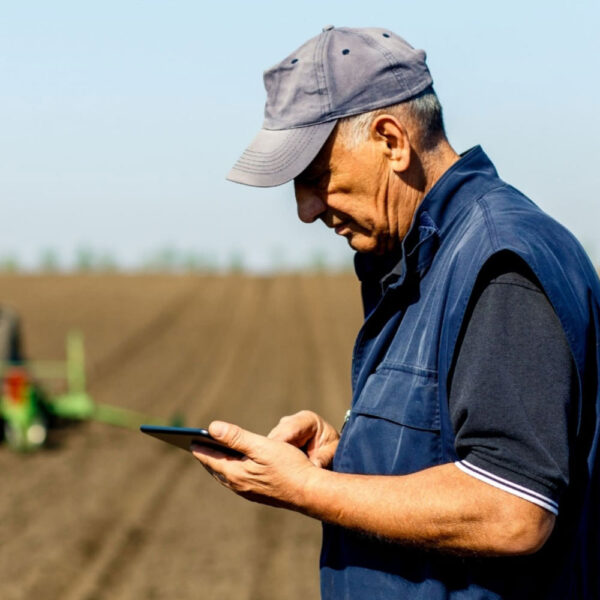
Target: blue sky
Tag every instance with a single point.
(121, 119)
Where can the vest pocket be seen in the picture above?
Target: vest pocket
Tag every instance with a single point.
(394, 426)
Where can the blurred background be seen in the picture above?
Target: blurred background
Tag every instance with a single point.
(120, 121)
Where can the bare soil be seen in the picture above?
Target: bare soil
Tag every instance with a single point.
(107, 513)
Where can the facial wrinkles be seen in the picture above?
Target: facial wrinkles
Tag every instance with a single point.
(353, 183)
(335, 194)
(407, 209)
(386, 214)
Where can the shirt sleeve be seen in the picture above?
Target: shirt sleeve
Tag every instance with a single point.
(513, 388)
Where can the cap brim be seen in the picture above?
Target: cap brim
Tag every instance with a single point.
(277, 156)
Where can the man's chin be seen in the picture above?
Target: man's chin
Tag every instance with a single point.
(362, 244)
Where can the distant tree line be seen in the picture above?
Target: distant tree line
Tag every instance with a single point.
(167, 259)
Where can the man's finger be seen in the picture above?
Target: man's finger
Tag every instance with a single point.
(235, 437)
(208, 451)
(295, 429)
(323, 457)
(210, 458)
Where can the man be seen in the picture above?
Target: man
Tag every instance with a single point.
(468, 464)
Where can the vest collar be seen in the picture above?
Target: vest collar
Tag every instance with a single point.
(466, 180)
(463, 183)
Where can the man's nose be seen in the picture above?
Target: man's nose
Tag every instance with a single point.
(310, 206)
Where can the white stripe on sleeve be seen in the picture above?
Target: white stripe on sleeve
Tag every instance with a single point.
(508, 486)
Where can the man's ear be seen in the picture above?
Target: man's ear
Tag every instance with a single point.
(393, 139)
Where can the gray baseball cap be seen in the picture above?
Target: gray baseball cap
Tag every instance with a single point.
(340, 72)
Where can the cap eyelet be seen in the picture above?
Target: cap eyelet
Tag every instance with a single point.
(386, 35)
(346, 51)
(294, 61)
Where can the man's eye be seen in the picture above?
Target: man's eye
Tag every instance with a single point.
(314, 180)
(320, 179)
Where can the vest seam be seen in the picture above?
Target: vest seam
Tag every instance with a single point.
(481, 201)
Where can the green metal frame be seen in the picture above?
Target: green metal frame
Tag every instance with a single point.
(23, 419)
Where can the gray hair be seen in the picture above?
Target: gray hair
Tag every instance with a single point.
(424, 111)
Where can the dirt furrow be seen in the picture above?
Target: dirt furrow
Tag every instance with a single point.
(108, 568)
(129, 347)
(264, 541)
(302, 377)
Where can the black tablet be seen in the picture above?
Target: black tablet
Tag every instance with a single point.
(183, 437)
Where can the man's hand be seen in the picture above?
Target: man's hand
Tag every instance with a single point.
(438, 508)
(271, 472)
(308, 431)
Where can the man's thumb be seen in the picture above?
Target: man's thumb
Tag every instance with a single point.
(233, 436)
(218, 429)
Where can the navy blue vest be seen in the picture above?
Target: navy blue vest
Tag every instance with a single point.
(399, 421)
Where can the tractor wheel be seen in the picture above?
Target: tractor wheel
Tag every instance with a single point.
(26, 438)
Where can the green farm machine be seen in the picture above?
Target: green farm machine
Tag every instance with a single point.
(28, 409)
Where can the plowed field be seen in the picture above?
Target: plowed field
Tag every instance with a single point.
(107, 513)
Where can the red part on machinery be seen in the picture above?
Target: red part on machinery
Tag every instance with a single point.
(16, 385)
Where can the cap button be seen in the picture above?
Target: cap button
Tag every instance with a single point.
(328, 27)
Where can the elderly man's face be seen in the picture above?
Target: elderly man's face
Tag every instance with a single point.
(349, 190)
